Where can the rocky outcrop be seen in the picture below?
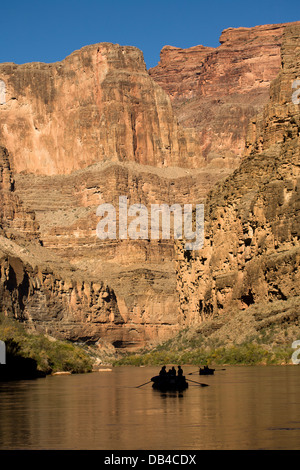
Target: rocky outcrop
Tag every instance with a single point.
(59, 303)
(251, 254)
(140, 272)
(16, 220)
(179, 69)
(217, 91)
(98, 104)
(60, 279)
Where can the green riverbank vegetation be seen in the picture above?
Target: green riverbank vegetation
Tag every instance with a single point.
(261, 334)
(37, 355)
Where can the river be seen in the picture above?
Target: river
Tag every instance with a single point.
(243, 408)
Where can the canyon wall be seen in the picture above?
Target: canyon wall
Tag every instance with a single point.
(58, 278)
(140, 272)
(15, 219)
(97, 104)
(217, 90)
(96, 126)
(251, 254)
(42, 289)
(83, 132)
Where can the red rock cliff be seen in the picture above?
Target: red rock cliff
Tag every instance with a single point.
(251, 253)
(97, 104)
(217, 91)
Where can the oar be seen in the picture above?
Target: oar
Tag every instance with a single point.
(201, 385)
(143, 384)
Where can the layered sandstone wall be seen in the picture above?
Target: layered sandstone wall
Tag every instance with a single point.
(251, 253)
(217, 91)
(58, 278)
(16, 220)
(43, 290)
(141, 272)
(71, 128)
(97, 104)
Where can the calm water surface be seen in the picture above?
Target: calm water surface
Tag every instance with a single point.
(243, 408)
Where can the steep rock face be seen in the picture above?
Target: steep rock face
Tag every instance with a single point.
(65, 206)
(59, 303)
(141, 272)
(97, 124)
(217, 91)
(251, 253)
(99, 103)
(60, 279)
(179, 69)
(43, 290)
(15, 218)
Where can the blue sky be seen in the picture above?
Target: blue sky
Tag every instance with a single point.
(48, 31)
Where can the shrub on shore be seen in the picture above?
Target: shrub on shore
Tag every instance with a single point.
(49, 355)
(244, 354)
